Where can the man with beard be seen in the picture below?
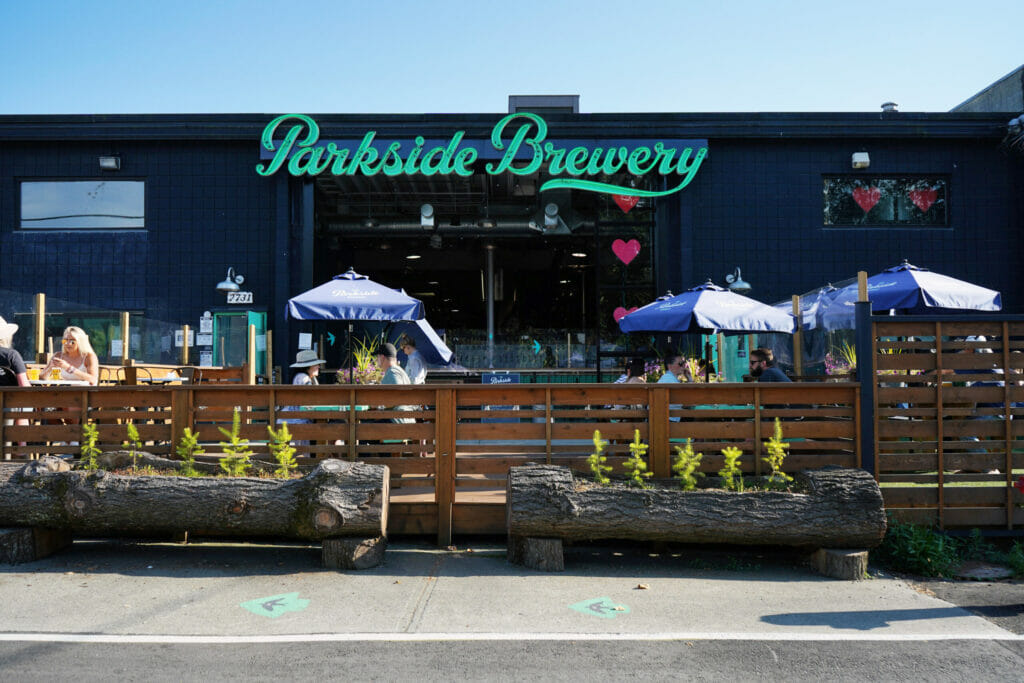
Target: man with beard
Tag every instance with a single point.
(762, 367)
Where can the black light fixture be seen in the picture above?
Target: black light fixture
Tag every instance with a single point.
(110, 163)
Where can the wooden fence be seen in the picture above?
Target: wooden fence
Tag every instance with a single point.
(450, 455)
(947, 423)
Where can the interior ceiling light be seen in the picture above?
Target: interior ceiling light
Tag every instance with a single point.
(413, 257)
(579, 254)
(551, 215)
(427, 216)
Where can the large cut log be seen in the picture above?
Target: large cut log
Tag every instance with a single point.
(841, 508)
(338, 498)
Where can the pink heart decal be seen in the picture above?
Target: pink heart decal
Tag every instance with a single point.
(620, 312)
(923, 199)
(626, 251)
(625, 202)
(867, 197)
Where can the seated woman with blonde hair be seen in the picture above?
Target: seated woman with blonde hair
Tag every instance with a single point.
(76, 360)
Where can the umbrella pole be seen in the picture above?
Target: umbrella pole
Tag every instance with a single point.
(350, 368)
(707, 361)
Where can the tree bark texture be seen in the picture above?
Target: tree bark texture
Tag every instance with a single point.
(338, 498)
(841, 509)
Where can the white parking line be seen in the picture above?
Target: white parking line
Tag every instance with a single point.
(457, 637)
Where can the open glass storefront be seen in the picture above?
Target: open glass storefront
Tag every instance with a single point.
(511, 278)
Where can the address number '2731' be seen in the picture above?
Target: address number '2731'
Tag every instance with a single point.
(239, 297)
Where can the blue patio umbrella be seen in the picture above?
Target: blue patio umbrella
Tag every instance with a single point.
(708, 309)
(907, 289)
(428, 343)
(351, 296)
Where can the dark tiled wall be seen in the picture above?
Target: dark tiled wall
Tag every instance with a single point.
(758, 205)
(206, 210)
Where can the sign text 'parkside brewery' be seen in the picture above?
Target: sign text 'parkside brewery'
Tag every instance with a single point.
(519, 142)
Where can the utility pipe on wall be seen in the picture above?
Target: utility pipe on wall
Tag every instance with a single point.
(490, 304)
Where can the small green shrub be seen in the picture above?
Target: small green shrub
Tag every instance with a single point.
(236, 461)
(90, 451)
(918, 550)
(635, 465)
(685, 466)
(776, 455)
(1015, 558)
(134, 444)
(596, 461)
(731, 473)
(282, 450)
(188, 448)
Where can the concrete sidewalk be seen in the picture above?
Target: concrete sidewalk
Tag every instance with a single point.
(110, 588)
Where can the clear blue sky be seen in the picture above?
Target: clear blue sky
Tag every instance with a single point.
(325, 56)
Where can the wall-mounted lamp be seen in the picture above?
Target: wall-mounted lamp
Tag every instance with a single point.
(736, 282)
(861, 160)
(231, 282)
(427, 216)
(487, 223)
(110, 163)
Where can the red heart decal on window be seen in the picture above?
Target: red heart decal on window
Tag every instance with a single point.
(923, 199)
(867, 197)
(620, 312)
(625, 202)
(626, 251)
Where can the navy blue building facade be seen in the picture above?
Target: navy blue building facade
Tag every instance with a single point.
(757, 203)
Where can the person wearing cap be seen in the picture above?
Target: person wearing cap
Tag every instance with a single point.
(13, 372)
(307, 365)
(387, 359)
(414, 366)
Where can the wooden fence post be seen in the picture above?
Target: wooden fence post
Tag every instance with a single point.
(182, 413)
(444, 463)
(184, 345)
(250, 356)
(657, 420)
(40, 319)
(125, 339)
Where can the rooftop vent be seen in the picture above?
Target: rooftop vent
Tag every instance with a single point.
(544, 104)
(889, 106)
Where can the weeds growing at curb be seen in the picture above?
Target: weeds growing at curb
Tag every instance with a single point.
(924, 551)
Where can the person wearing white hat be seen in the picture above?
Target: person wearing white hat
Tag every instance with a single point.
(308, 365)
(12, 366)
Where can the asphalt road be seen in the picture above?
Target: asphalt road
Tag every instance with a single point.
(516, 660)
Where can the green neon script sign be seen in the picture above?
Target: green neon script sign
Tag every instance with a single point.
(520, 141)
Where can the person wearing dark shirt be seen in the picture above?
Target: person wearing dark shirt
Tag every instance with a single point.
(762, 367)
